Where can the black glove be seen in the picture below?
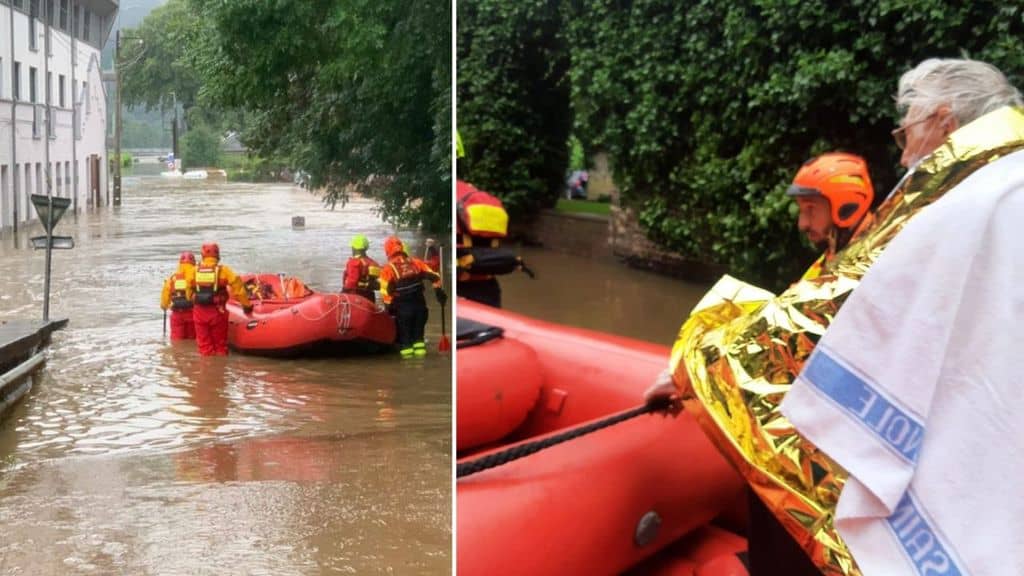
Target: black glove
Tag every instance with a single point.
(247, 309)
(442, 296)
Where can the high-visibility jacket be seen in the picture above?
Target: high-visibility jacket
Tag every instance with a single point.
(362, 274)
(403, 277)
(214, 281)
(177, 292)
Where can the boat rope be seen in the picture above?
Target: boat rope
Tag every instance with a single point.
(344, 317)
(334, 307)
(527, 448)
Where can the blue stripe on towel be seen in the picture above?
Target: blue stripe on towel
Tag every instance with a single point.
(920, 541)
(887, 421)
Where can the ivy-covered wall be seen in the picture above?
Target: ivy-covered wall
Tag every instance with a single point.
(513, 100)
(706, 108)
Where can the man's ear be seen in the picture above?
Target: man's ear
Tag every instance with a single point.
(948, 121)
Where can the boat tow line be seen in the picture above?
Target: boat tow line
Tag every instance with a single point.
(527, 448)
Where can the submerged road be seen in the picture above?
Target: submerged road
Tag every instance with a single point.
(135, 456)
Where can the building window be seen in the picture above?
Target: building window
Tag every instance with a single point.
(32, 84)
(33, 13)
(85, 24)
(64, 15)
(76, 21)
(49, 87)
(16, 81)
(49, 13)
(60, 86)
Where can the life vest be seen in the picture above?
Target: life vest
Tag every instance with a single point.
(369, 273)
(480, 214)
(209, 290)
(408, 278)
(181, 292)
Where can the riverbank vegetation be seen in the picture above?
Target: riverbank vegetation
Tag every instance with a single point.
(356, 94)
(706, 109)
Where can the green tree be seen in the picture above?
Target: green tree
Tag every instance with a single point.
(513, 100)
(162, 63)
(708, 108)
(354, 93)
(200, 147)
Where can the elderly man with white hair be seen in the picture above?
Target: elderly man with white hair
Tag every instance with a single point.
(906, 404)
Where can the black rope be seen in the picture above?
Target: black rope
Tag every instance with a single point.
(522, 450)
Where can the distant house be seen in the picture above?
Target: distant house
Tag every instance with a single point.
(231, 144)
(52, 106)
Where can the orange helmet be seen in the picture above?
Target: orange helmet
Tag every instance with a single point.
(393, 245)
(842, 179)
(211, 249)
(187, 258)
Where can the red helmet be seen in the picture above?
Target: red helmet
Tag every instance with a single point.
(843, 180)
(211, 249)
(187, 258)
(393, 245)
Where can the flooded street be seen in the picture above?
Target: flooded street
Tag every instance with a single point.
(133, 456)
(600, 295)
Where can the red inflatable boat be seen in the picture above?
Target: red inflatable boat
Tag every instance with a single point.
(289, 318)
(637, 497)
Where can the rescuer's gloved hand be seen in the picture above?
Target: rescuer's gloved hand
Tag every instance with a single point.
(442, 296)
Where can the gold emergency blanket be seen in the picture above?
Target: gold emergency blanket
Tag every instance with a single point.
(743, 347)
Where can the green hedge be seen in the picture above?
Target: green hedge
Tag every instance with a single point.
(708, 108)
(513, 100)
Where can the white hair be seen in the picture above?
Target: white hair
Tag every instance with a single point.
(970, 88)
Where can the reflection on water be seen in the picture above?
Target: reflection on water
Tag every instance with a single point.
(135, 456)
(601, 295)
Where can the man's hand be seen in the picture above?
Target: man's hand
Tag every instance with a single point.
(442, 296)
(665, 389)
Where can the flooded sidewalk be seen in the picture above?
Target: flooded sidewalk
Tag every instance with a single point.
(135, 456)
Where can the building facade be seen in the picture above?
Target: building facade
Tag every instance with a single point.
(50, 60)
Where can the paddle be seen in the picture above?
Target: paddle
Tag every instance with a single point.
(443, 345)
(165, 322)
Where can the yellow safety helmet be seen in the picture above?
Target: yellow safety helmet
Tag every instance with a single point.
(360, 242)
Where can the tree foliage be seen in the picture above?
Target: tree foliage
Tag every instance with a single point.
(200, 147)
(161, 63)
(513, 100)
(353, 92)
(707, 108)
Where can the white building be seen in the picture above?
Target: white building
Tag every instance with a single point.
(71, 82)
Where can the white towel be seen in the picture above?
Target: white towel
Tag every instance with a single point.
(916, 389)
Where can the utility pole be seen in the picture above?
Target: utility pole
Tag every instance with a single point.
(174, 129)
(117, 118)
(47, 7)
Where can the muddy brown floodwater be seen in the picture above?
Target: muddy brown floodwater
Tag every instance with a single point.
(133, 456)
(600, 295)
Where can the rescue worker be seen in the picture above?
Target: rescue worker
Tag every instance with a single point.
(177, 296)
(362, 273)
(834, 194)
(481, 225)
(213, 281)
(401, 287)
(432, 255)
